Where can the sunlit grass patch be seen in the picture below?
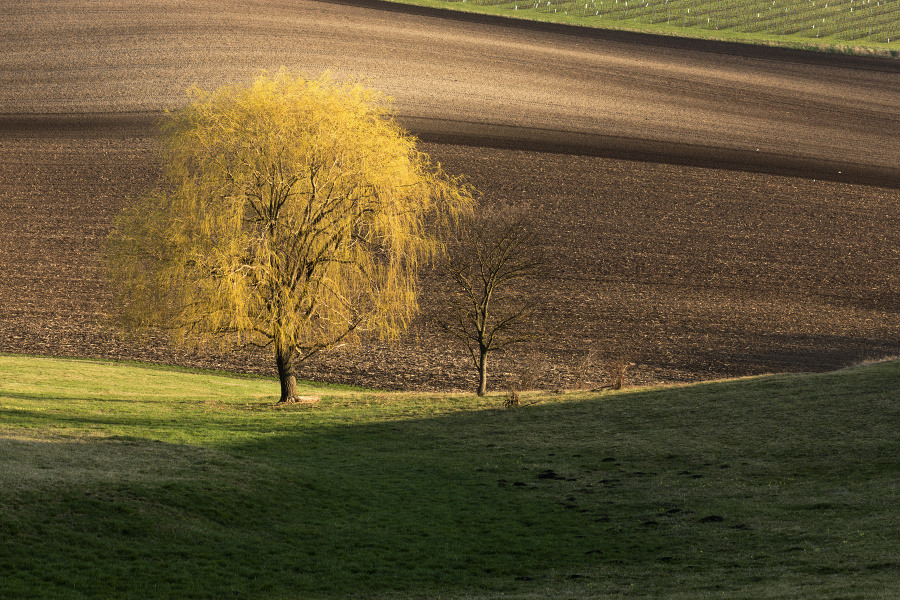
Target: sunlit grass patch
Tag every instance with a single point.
(852, 26)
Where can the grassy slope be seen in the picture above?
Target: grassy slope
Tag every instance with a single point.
(827, 44)
(133, 482)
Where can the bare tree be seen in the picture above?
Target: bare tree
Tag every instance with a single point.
(487, 311)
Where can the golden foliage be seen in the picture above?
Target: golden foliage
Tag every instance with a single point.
(294, 211)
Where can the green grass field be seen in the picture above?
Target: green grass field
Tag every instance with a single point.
(851, 26)
(126, 481)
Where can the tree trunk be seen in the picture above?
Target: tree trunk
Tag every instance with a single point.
(482, 374)
(284, 358)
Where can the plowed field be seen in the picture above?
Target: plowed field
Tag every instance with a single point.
(708, 210)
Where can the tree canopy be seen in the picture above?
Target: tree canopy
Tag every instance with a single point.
(293, 213)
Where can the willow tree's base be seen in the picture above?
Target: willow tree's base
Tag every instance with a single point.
(299, 400)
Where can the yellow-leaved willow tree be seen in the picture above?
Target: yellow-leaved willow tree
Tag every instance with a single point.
(294, 213)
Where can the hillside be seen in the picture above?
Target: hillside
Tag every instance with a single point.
(127, 481)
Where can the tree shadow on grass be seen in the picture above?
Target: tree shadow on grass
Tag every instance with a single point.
(417, 506)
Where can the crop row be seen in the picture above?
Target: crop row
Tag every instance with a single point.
(871, 20)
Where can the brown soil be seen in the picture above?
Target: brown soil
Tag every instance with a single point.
(690, 272)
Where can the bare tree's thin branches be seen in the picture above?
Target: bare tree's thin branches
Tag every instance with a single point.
(488, 257)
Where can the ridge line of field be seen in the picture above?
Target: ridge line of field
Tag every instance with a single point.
(513, 137)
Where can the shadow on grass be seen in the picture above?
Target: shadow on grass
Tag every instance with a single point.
(407, 506)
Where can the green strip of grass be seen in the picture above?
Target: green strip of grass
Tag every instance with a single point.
(800, 40)
(121, 481)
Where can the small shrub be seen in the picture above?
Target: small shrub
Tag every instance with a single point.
(512, 399)
(618, 368)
